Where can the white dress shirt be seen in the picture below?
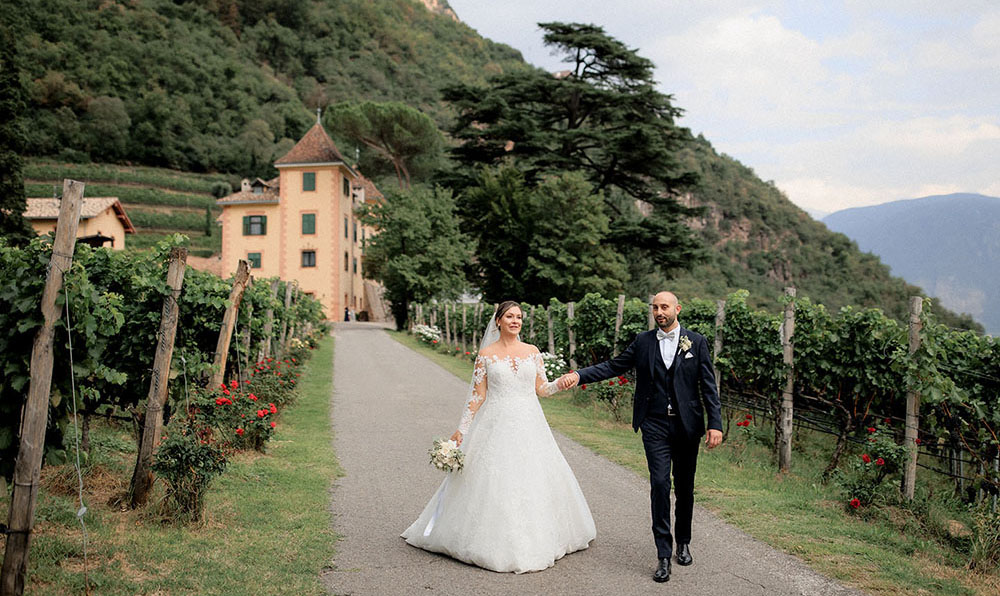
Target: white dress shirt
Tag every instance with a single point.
(668, 344)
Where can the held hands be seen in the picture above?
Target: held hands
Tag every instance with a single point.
(568, 380)
(714, 438)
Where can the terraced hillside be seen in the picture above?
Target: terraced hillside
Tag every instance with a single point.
(158, 201)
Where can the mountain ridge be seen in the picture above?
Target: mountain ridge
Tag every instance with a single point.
(948, 244)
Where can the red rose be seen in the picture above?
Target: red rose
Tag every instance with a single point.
(880, 462)
(887, 421)
(466, 353)
(866, 458)
(871, 429)
(261, 413)
(612, 383)
(434, 341)
(917, 441)
(749, 417)
(225, 392)
(855, 503)
(234, 383)
(274, 410)
(274, 424)
(222, 386)
(584, 386)
(239, 431)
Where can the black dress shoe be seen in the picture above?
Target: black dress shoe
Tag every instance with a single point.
(662, 573)
(684, 555)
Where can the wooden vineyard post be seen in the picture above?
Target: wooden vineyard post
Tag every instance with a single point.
(465, 346)
(142, 476)
(571, 336)
(720, 322)
(447, 326)
(28, 465)
(652, 320)
(619, 318)
(244, 370)
(912, 407)
(293, 329)
(240, 282)
(284, 322)
(787, 403)
(269, 324)
(475, 325)
(552, 336)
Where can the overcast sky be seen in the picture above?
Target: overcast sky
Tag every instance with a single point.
(840, 103)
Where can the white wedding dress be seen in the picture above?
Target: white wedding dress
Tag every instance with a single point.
(516, 505)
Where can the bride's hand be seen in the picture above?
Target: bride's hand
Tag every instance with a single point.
(457, 437)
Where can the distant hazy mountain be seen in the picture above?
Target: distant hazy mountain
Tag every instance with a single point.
(948, 244)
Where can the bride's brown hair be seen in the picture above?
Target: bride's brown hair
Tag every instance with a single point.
(504, 307)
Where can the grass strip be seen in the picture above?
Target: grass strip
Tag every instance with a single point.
(40, 169)
(267, 527)
(891, 553)
(130, 194)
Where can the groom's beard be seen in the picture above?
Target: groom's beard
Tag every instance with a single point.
(665, 321)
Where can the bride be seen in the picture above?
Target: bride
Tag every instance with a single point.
(515, 506)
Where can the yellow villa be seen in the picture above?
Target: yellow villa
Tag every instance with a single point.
(301, 226)
(102, 220)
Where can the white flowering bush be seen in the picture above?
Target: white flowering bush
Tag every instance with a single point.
(427, 334)
(555, 365)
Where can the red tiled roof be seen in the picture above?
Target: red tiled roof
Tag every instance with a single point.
(270, 194)
(92, 207)
(372, 193)
(315, 147)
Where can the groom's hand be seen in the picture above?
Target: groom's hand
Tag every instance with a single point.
(568, 380)
(714, 438)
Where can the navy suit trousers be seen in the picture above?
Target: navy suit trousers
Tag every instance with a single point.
(667, 446)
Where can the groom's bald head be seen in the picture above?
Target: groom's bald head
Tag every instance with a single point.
(666, 297)
(665, 310)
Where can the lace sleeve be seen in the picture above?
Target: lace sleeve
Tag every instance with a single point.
(543, 387)
(477, 395)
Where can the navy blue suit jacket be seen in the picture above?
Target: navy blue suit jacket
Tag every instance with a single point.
(694, 380)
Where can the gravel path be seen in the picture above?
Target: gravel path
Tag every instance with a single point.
(389, 402)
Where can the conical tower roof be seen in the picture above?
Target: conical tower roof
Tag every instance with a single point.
(314, 148)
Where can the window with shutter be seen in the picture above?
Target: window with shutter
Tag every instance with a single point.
(255, 225)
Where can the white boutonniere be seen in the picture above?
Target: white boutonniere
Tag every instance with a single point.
(684, 343)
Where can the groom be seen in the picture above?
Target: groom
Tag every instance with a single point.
(675, 389)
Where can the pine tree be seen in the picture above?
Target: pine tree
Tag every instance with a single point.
(13, 226)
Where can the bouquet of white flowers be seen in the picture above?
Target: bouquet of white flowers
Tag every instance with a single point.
(445, 455)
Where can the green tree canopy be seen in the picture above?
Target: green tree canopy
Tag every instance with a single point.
(602, 117)
(542, 241)
(419, 253)
(395, 133)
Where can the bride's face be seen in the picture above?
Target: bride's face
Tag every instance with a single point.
(510, 322)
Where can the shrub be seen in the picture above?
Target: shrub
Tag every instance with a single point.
(188, 459)
(985, 551)
(427, 334)
(616, 394)
(868, 472)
